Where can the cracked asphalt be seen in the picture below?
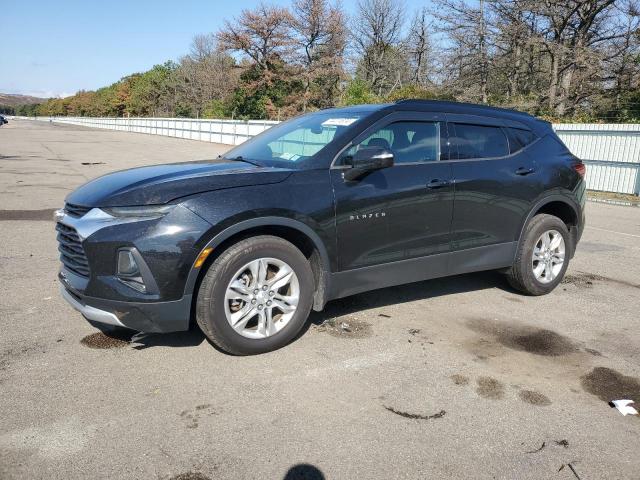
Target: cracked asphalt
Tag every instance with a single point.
(451, 378)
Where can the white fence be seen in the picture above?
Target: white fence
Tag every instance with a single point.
(611, 151)
(229, 132)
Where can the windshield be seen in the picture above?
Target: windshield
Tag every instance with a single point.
(295, 140)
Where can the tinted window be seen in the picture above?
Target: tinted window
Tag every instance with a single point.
(479, 141)
(519, 138)
(295, 140)
(410, 142)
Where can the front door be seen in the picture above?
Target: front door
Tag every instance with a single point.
(401, 212)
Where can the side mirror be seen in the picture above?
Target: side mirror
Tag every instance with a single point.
(368, 159)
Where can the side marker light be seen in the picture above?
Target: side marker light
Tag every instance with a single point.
(202, 257)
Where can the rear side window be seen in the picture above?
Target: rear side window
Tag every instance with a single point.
(519, 138)
(478, 141)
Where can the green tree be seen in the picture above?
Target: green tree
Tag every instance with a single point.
(357, 93)
(215, 109)
(152, 93)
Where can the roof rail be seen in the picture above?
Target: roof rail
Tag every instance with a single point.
(465, 104)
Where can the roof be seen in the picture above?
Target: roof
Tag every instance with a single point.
(444, 107)
(460, 107)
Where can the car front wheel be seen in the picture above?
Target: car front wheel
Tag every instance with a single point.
(256, 296)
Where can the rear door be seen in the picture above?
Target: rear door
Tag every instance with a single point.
(495, 182)
(401, 212)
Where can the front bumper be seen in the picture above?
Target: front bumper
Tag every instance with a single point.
(164, 248)
(152, 317)
(89, 312)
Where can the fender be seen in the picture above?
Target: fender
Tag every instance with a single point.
(322, 288)
(557, 197)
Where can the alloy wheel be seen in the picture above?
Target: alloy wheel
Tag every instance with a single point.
(261, 298)
(548, 256)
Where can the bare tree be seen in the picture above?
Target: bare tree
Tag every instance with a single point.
(203, 46)
(622, 60)
(377, 35)
(319, 34)
(418, 45)
(206, 74)
(573, 32)
(468, 51)
(518, 66)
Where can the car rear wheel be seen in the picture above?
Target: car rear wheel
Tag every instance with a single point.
(543, 256)
(256, 296)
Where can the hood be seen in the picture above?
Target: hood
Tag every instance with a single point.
(160, 184)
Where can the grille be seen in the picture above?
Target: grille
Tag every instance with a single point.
(76, 211)
(71, 251)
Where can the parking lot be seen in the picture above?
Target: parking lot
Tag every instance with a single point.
(451, 378)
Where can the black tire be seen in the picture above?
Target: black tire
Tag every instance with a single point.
(520, 275)
(210, 309)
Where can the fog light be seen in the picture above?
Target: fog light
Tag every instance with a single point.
(128, 270)
(126, 263)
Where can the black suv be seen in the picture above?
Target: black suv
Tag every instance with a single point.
(320, 207)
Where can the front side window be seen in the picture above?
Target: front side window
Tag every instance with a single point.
(295, 140)
(479, 141)
(410, 142)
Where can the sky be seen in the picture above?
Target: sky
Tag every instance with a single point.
(55, 48)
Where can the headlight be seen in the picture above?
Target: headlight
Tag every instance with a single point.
(147, 211)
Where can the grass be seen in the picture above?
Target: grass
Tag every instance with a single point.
(626, 198)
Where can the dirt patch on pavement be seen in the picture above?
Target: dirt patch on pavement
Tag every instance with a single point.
(14, 354)
(582, 280)
(458, 379)
(346, 328)
(587, 280)
(490, 388)
(45, 214)
(192, 417)
(608, 384)
(107, 340)
(524, 338)
(534, 398)
(538, 342)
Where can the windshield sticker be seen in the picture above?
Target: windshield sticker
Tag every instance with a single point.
(289, 156)
(338, 122)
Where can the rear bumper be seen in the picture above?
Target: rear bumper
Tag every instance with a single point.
(152, 317)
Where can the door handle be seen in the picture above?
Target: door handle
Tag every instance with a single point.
(524, 171)
(436, 183)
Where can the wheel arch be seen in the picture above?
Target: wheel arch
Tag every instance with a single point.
(559, 206)
(294, 231)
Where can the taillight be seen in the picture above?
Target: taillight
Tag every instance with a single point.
(580, 168)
